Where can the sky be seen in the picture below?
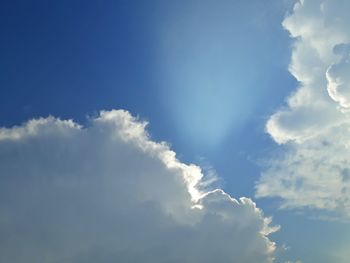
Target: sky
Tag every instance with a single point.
(174, 131)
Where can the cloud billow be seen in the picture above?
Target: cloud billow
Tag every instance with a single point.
(313, 169)
(107, 193)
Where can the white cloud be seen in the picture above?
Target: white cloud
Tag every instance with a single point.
(313, 168)
(107, 193)
(338, 77)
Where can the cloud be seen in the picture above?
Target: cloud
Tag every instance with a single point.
(108, 193)
(312, 169)
(338, 77)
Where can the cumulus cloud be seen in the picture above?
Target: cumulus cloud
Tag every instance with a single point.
(313, 168)
(338, 77)
(108, 193)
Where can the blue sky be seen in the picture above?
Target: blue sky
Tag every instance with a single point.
(216, 80)
(188, 68)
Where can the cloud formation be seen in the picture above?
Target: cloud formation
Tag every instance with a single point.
(108, 193)
(313, 169)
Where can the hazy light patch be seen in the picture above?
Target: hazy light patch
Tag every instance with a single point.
(206, 105)
(343, 254)
(209, 67)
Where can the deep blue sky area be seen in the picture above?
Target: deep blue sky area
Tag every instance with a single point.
(72, 58)
(205, 76)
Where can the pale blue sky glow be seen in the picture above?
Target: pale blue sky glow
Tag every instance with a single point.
(212, 73)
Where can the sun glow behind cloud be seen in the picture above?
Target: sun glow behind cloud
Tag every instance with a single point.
(210, 69)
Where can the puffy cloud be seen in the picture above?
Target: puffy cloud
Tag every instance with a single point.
(338, 77)
(314, 174)
(312, 169)
(108, 193)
